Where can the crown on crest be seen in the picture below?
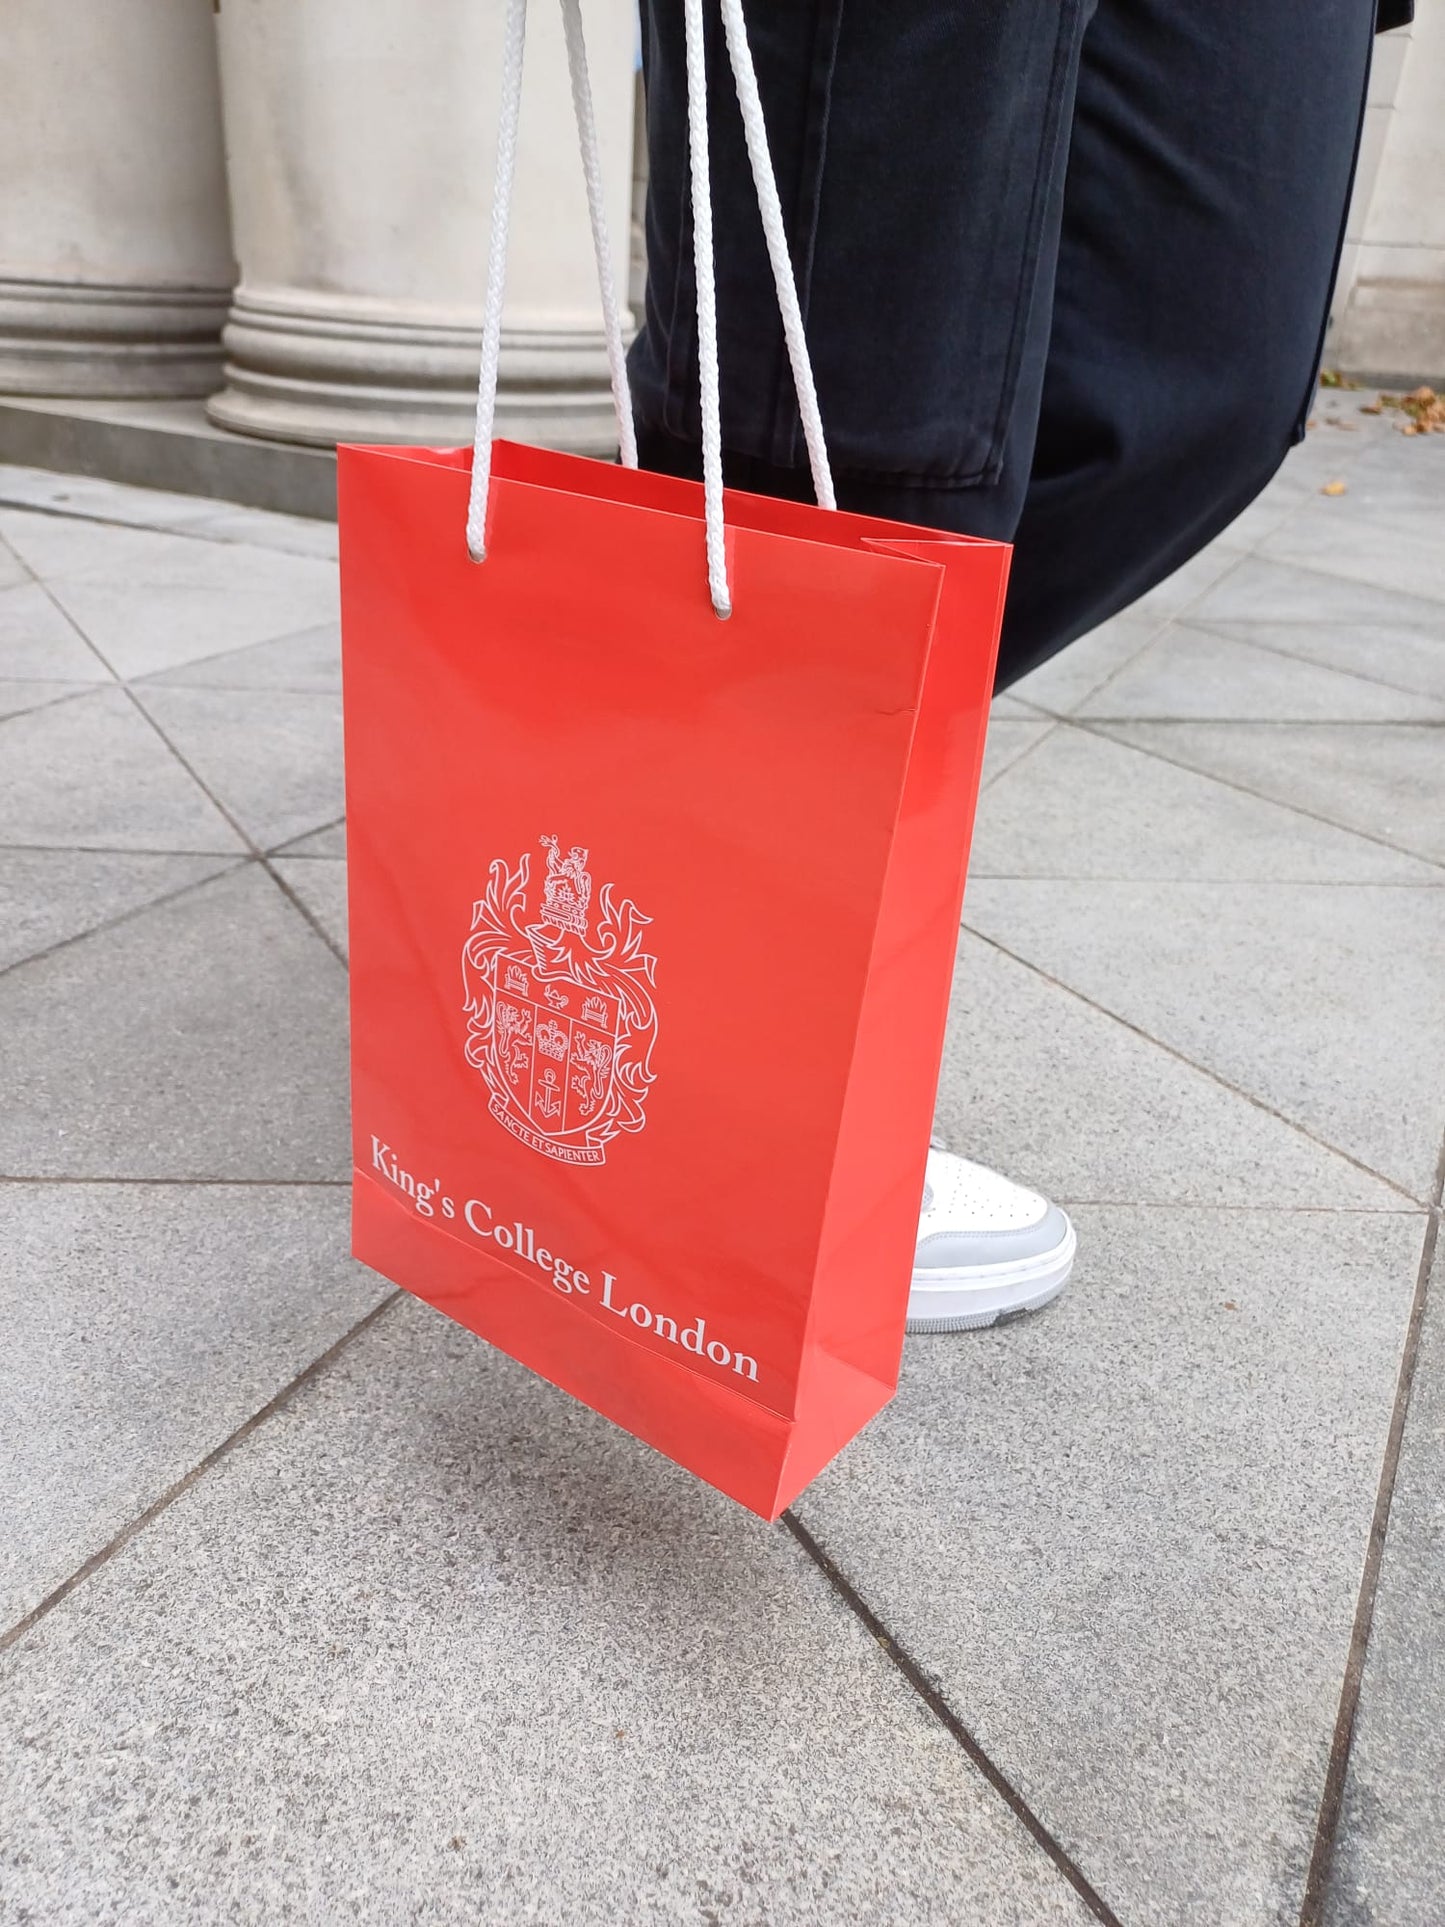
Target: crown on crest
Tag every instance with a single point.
(551, 1039)
(567, 887)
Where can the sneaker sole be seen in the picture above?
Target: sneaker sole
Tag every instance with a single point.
(968, 1300)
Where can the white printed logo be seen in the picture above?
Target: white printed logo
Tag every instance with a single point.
(559, 1023)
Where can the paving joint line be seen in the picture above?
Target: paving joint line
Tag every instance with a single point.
(1277, 722)
(137, 1525)
(1332, 1799)
(254, 849)
(1067, 715)
(173, 681)
(1218, 630)
(155, 678)
(1243, 789)
(194, 1183)
(222, 504)
(1207, 877)
(1050, 723)
(65, 616)
(285, 849)
(1204, 1070)
(238, 861)
(110, 849)
(252, 846)
(1412, 1210)
(287, 891)
(51, 702)
(1351, 581)
(934, 1700)
(1165, 622)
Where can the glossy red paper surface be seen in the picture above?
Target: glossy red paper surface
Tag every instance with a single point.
(711, 1125)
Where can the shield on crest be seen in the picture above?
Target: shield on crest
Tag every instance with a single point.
(560, 1022)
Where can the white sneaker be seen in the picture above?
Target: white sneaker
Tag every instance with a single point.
(986, 1247)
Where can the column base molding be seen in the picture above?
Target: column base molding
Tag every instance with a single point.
(319, 374)
(64, 338)
(1392, 332)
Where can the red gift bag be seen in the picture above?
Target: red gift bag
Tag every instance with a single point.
(653, 918)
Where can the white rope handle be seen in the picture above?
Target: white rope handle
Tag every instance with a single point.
(745, 79)
(597, 215)
(508, 120)
(703, 273)
(774, 231)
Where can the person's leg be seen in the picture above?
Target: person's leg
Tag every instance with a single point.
(1153, 328)
(920, 150)
(1106, 369)
(1209, 175)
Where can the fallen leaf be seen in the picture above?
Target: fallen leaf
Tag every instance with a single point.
(1423, 409)
(1332, 378)
(1371, 408)
(1229, 1305)
(1333, 488)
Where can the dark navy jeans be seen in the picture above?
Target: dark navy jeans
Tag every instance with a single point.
(1065, 266)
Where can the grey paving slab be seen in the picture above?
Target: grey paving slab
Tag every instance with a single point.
(1389, 1862)
(1384, 779)
(1390, 552)
(271, 756)
(1331, 451)
(1009, 738)
(1261, 590)
(320, 883)
(1290, 488)
(1125, 1537)
(1324, 1002)
(83, 495)
(1084, 805)
(1339, 430)
(1189, 673)
(310, 660)
(1038, 1083)
(1010, 709)
(1182, 589)
(37, 639)
(1378, 499)
(149, 601)
(67, 544)
(93, 773)
(1405, 658)
(1402, 481)
(90, 497)
(17, 696)
(203, 1038)
(48, 896)
(12, 569)
(1067, 679)
(264, 528)
(328, 842)
(438, 1644)
(168, 1315)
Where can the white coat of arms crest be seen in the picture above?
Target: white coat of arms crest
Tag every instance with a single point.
(560, 1022)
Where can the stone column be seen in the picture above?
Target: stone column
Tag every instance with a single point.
(360, 137)
(1390, 308)
(115, 257)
